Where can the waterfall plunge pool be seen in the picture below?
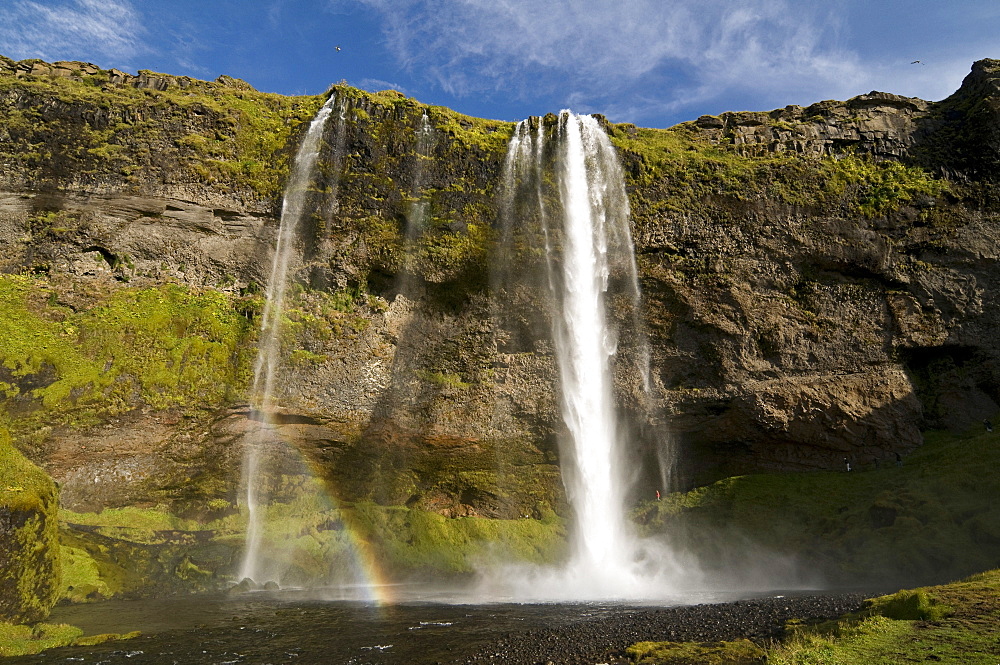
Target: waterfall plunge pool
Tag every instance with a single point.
(422, 627)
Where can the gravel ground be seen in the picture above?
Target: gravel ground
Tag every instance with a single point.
(604, 640)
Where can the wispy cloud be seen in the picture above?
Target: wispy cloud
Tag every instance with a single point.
(665, 54)
(92, 29)
(377, 85)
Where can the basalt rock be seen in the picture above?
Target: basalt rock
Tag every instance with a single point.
(818, 283)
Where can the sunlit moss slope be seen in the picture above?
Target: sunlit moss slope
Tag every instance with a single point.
(165, 346)
(952, 623)
(29, 553)
(82, 128)
(929, 519)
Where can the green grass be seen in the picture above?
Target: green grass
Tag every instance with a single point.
(928, 520)
(739, 652)
(957, 623)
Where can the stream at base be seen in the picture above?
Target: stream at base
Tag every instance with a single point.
(293, 627)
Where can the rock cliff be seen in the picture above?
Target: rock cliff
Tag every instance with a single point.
(818, 286)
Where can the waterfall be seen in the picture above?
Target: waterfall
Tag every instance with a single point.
(565, 195)
(418, 209)
(585, 347)
(416, 216)
(254, 473)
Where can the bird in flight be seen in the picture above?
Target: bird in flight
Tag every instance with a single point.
(338, 48)
(915, 62)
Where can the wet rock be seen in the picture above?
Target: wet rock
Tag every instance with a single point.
(605, 639)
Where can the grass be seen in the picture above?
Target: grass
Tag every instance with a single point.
(739, 652)
(956, 623)
(927, 521)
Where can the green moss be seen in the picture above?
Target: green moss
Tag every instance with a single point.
(23, 486)
(739, 652)
(403, 539)
(883, 186)
(121, 561)
(952, 623)
(29, 576)
(679, 170)
(22, 640)
(485, 135)
(165, 347)
(446, 254)
(924, 520)
(446, 380)
(241, 141)
(143, 519)
(301, 357)
(264, 125)
(81, 577)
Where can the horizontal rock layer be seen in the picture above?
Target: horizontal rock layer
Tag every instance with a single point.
(818, 285)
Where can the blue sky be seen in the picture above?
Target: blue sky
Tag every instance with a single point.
(651, 62)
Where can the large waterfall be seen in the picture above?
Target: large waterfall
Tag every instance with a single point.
(565, 196)
(293, 208)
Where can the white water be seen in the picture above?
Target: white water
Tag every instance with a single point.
(418, 210)
(581, 207)
(254, 565)
(584, 348)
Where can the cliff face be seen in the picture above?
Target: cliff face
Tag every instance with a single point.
(842, 302)
(818, 285)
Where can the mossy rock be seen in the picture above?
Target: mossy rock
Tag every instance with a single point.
(29, 538)
(21, 640)
(914, 605)
(739, 652)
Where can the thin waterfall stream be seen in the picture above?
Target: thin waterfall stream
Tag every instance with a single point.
(293, 209)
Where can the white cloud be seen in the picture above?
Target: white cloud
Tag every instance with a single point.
(378, 85)
(691, 50)
(76, 29)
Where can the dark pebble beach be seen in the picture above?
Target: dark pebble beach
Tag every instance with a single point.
(603, 640)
